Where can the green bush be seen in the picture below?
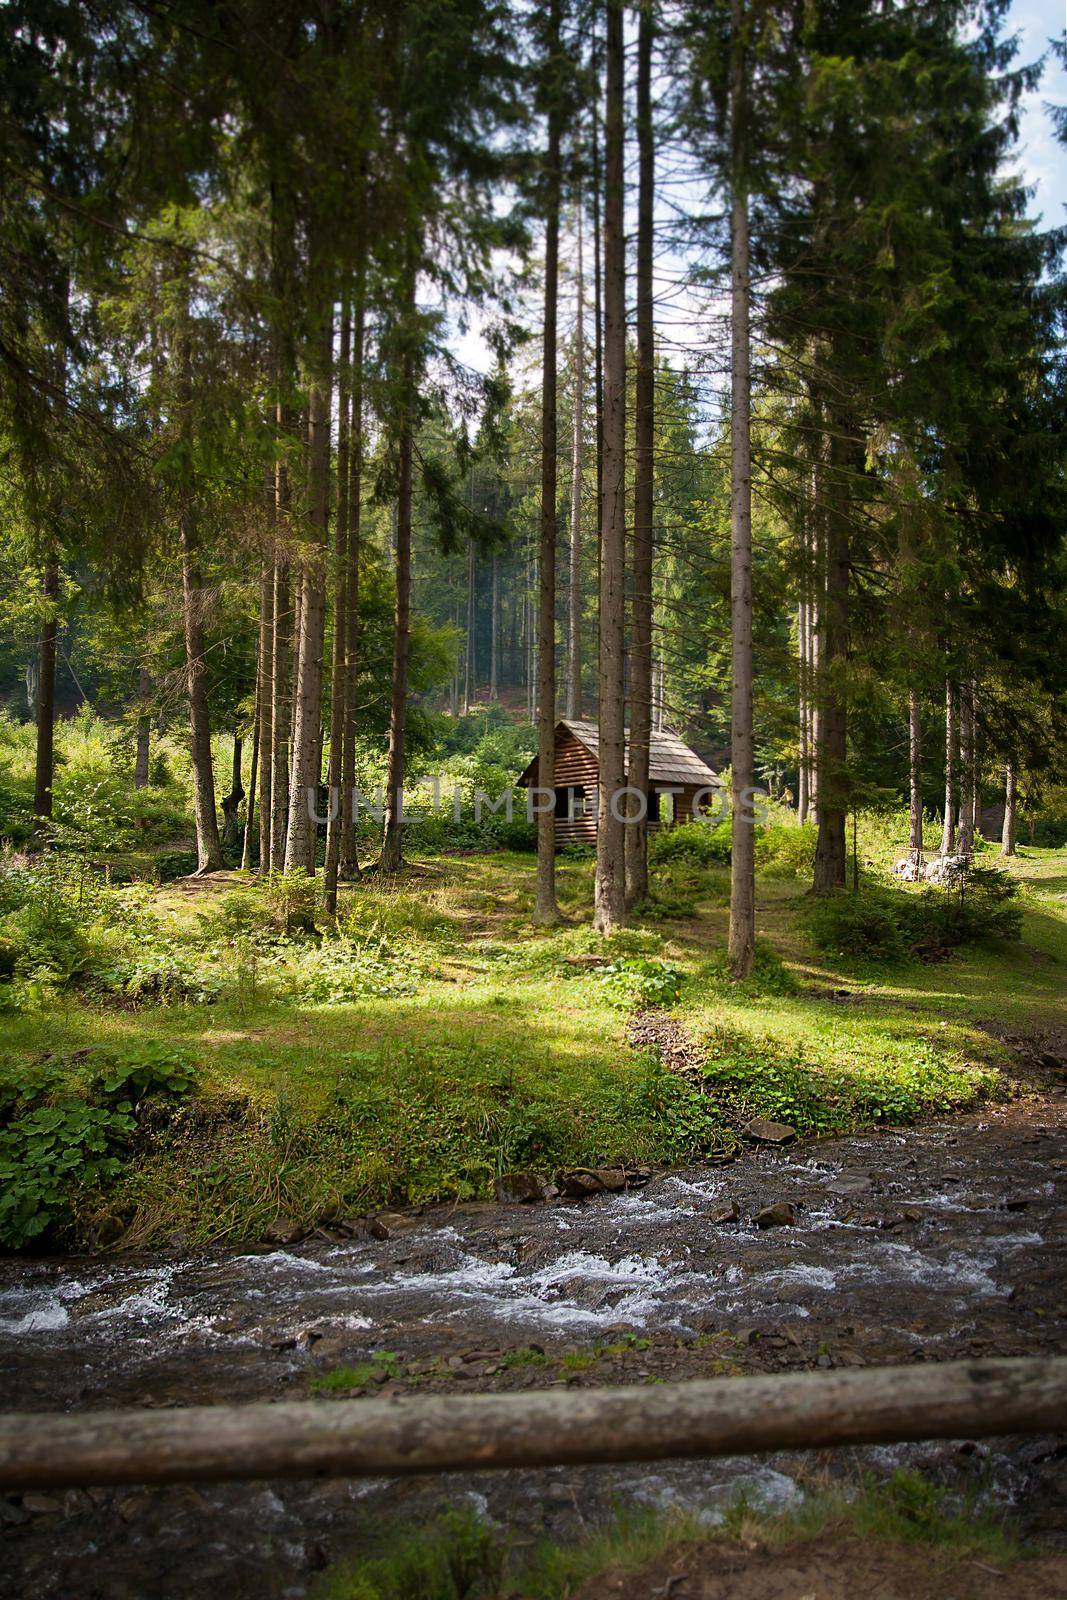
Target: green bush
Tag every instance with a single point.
(703, 843)
(883, 923)
(640, 982)
(55, 1143)
(785, 850)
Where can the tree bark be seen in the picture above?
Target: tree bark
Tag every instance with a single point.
(830, 849)
(636, 836)
(336, 797)
(598, 290)
(231, 803)
(494, 632)
(253, 779)
(392, 844)
(915, 799)
(468, 654)
(546, 910)
(44, 775)
(948, 828)
(574, 595)
(208, 843)
(447, 1433)
(281, 704)
(742, 939)
(349, 864)
(610, 883)
(307, 696)
(144, 731)
(1007, 833)
(965, 835)
(265, 705)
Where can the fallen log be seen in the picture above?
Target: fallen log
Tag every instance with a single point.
(417, 1434)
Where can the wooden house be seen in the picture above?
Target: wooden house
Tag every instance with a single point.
(678, 778)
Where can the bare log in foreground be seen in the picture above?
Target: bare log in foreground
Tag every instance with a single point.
(372, 1438)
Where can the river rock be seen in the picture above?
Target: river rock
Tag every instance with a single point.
(725, 1215)
(389, 1224)
(521, 1188)
(283, 1230)
(764, 1132)
(779, 1215)
(851, 1184)
(583, 1181)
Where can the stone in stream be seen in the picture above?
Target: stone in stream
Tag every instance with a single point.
(583, 1181)
(852, 1184)
(388, 1224)
(763, 1132)
(521, 1188)
(283, 1230)
(725, 1214)
(779, 1215)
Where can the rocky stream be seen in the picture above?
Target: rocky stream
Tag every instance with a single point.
(940, 1242)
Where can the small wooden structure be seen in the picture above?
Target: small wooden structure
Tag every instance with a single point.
(674, 770)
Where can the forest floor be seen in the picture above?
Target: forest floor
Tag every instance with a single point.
(922, 1219)
(476, 1045)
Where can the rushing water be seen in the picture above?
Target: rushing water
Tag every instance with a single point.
(942, 1242)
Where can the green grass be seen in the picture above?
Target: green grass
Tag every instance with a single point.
(501, 1050)
(460, 1557)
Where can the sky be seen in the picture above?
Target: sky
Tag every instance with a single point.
(697, 331)
(1043, 161)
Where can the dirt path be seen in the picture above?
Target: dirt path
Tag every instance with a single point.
(928, 1244)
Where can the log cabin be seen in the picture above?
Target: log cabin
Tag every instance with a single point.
(679, 781)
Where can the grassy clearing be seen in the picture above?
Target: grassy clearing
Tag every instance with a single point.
(459, 1558)
(442, 1041)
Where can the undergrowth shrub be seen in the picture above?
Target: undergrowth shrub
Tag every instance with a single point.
(638, 982)
(884, 923)
(702, 842)
(769, 974)
(747, 1077)
(785, 850)
(60, 1137)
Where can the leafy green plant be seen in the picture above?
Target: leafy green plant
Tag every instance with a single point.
(638, 981)
(886, 923)
(703, 843)
(45, 1151)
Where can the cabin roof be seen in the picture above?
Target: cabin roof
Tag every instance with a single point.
(670, 759)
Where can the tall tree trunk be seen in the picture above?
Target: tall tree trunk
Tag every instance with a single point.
(830, 849)
(349, 865)
(948, 829)
(253, 779)
(469, 684)
(231, 803)
(742, 938)
(574, 595)
(965, 836)
(1007, 834)
(546, 910)
(802, 698)
(144, 731)
(392, 852)
(307, 697)
(44, 775)
(337, 800)
(610, 884)
(265, 706)
(598, 290)
(281, 703)
(208, 843)
(915, 800)
(636, 836)
(494, 632)
(816, 587)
